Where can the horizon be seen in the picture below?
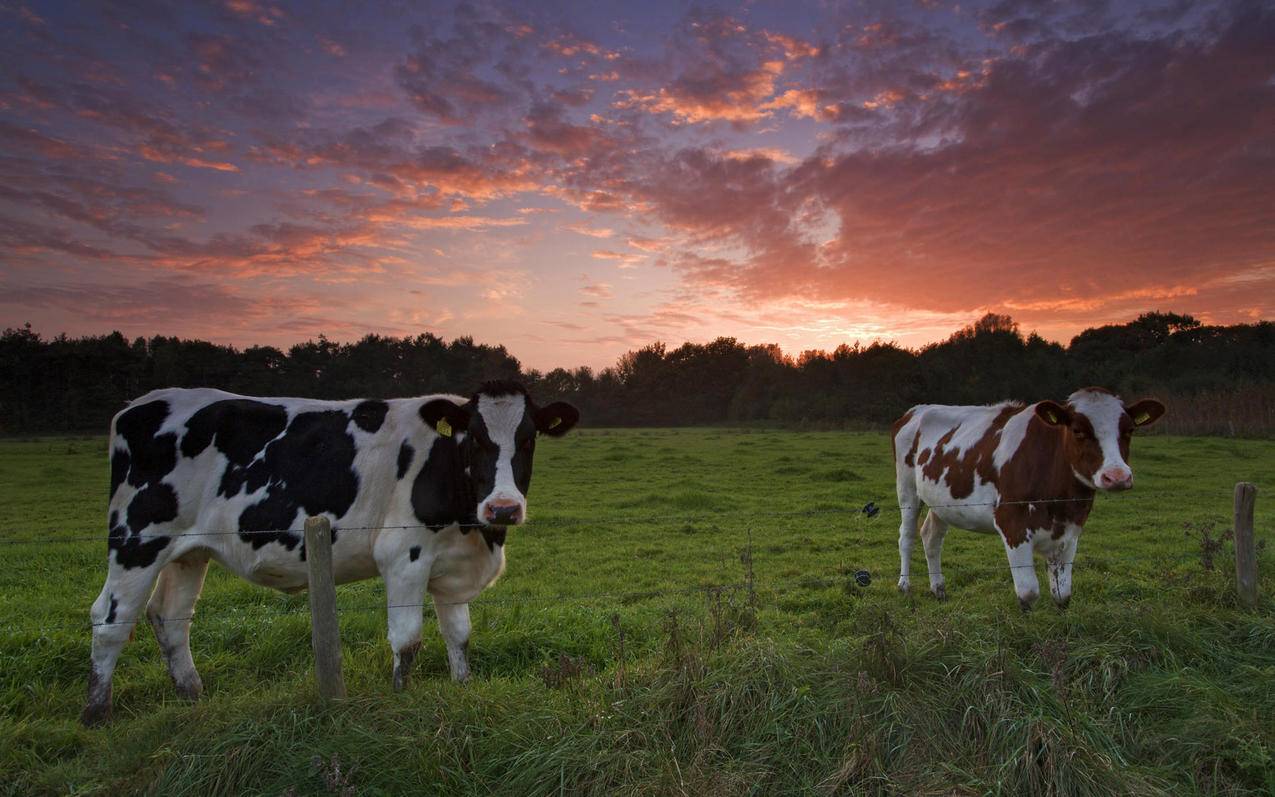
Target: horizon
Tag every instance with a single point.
(792, 355)
(576, 183)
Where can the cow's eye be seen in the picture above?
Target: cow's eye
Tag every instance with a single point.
(1080, 435)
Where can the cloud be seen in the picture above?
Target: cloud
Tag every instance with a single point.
(1044, 185)
(599, 290)
(592, 232)
(722, 71)
(622, 259)
(443, 77)
(206, 309)
(460, 222)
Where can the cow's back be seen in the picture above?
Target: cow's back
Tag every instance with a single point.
(949, 457)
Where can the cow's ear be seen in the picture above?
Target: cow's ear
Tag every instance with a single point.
(1145, 412)
(556, 419)
(445, 417)
(1053, 413)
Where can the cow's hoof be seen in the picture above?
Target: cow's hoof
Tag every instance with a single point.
(403, 666)
(95, 715)
(1026, 603)
(940, 592)
(1062, 604)
(904, 587)
(189, 690)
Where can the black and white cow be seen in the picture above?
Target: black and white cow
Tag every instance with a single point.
(203, 474)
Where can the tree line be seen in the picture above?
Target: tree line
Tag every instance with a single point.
(1227, 373)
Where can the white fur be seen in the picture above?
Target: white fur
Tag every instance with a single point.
(502, 416)
(1103, 411)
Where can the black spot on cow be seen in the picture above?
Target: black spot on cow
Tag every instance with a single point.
(493, 536)
(369, 415)
(441, 494)
(310, 469)
(156, 503)
(110, 614)
(130, 551)
(496, 388)
(119, 468)
(239, 428)
(405, 454)
(414, 553)
(152, 456)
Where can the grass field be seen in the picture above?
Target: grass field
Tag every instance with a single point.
(1154, 681)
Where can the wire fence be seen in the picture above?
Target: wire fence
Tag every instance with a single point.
(870, 510)
(851, 576)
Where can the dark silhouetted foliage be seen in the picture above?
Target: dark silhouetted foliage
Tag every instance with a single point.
(65, 384)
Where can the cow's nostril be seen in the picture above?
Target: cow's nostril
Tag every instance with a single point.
(503, 514)
(1113, 478)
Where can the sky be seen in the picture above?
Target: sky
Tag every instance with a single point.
(576, 180)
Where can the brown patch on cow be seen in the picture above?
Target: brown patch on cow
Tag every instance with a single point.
(923, 457)
(910, 459)
(1038, 490)
(897, 427)
(934, 470)
(1126, 431)
(1081, 448)
(959, 468)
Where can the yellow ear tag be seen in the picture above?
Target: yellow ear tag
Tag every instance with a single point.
(1142, 418)
(444, 428)
(556, 423)
(1053, 417)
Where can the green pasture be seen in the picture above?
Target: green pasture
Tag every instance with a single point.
(605, 662)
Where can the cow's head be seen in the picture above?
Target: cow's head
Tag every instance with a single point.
(1097, 426)
(496, 435)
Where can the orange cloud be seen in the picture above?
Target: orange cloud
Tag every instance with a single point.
(155, 155)
(621, 259)
(713, 97)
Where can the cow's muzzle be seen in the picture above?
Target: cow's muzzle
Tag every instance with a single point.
(502, 513)
(1115, 480)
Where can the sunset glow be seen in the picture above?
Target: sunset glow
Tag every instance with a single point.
(577, 180)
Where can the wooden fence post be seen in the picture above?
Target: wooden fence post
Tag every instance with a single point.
(1245, 544)
(325, 635)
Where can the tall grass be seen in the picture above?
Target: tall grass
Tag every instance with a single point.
(1244, 411)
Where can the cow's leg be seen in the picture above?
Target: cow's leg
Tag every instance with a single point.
(113, 615)
(932, 532)
(1023, 569)
(910, 510)
(1060, 564)
(453, 621)
(405, 594)
(171, 608)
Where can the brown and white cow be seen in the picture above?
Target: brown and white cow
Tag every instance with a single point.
(1027, 473)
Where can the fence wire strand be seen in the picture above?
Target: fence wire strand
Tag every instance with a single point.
(750, 587)
(869, 514)
(560, 522)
